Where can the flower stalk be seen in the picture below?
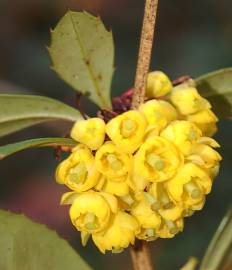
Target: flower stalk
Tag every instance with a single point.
(140, 254)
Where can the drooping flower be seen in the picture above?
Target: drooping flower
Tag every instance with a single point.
(190, 186)
(118, 235)
(112, 162)
(159, 113)
(91, 211)
(157, 160)
(90, 132)
(183, 134)
(158, 84)
(206, 120)
(127, 130)
(78, 171)
(187, 100)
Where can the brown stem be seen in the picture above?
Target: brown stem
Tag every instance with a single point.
(140, 253)
(145, 51)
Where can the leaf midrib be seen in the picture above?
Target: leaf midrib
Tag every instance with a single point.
(88, 67)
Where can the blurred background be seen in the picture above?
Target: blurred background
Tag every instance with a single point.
(192, 38)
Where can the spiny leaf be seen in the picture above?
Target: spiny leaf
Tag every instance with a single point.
(217, 88)
(9, 149)
(25, 245)
(220, 246)
(21, 111)
(82, 52)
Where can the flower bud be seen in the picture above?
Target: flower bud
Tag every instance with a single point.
(90, 132)
(206, 120)
(187, 100)
(158, 84)
(158, 113)
(78, 171)
(183, 134)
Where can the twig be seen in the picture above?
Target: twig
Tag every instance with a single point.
(140, 253)
(145, 51)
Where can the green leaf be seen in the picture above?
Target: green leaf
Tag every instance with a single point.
(217, 88)
(82, 52)
(10, 149)
(25, 245)
(21, 111)
(220, 246)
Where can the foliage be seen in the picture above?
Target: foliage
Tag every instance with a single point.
(82, 51)
(27, 245)
(21, 111)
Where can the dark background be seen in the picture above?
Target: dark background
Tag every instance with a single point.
(192, 37)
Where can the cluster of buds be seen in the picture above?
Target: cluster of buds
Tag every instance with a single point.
(141, 173)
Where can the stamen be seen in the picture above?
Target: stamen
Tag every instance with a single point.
(115, 164)
(127, 199)
(166, 203)
(78, 174)
(193, 190)
(155, 205)
(128, 128)
(150, 232)
(171, 226)
(90, 221)
(155, 162)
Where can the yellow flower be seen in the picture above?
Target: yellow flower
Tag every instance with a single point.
(90, 132)
(187, 100)
(169, 229)
(157, 160)
(118, 235)
(158, 113)
(144, 213)
(209, 158)
(183, 134)
(158, 84)
(163, 204)
(78, 171)
(116, 186)
(111, 162)
(190, 185)
(90, 211)
(206, 120)
(127, 130)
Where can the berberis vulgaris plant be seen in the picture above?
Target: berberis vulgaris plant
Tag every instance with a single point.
(138, 168)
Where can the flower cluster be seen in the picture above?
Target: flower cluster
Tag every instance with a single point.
(141, 173)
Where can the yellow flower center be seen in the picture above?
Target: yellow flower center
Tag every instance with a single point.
(127, 199)
(192, 136)
(114, 162)
(90, 221)
(78, 173)
(128, 128)
(192, 189)
(155, 161)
